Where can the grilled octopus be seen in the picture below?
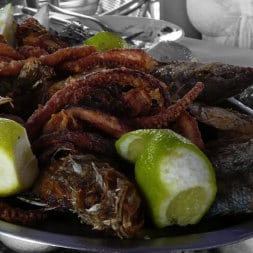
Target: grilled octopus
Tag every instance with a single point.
(75, 91)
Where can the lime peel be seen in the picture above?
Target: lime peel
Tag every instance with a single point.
(18, 168)
(176, 178)
(7, 28)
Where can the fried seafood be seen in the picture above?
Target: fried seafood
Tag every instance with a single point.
(230, 149)
(30, 32)
(5, 100)
(221, 80)
(233, 160)
(75, 90)
(171, 113)
(11, 213)
(222, 118)
(187, 126)
(107, 123)
(114, 58)
(28, 88)
(65, 54)
(73, 130)
(100, 195)
(72, 141)
(13, 67)
(8, 51)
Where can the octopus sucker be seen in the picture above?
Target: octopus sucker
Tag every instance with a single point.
(171, 113)
(75, 90)
(5, 100)
(78, 119)
(114, 58)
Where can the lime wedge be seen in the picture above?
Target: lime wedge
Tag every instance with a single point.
(7, 23)
(106, 40)
(176, 178)
(18, 166)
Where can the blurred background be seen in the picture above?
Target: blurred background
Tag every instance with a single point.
(228, 22)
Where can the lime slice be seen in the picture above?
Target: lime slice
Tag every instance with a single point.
(18, 166)
(106, 40)
(7, 23)
(176, 178)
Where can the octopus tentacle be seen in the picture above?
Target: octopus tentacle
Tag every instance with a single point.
(75, 90)
(167, 115)
(30, 32)
(108, 123)
(21, 216)
(114, 58)
(11, 68)
(8, 51)
(5, 100)
(121, 76)
(65, 54)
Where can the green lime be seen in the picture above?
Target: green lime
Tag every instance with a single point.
(18, 167)
(176, 178)
(7, 23)
(106, 40)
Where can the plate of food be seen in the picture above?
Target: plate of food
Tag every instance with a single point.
(114, 151)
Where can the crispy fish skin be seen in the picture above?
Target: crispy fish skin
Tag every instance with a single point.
(100, 195)
(221, 80)
(222, 118)
(233, 163)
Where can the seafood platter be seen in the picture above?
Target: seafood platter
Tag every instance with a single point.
(76, 102)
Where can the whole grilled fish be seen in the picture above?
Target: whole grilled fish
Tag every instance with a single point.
(221, 80)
